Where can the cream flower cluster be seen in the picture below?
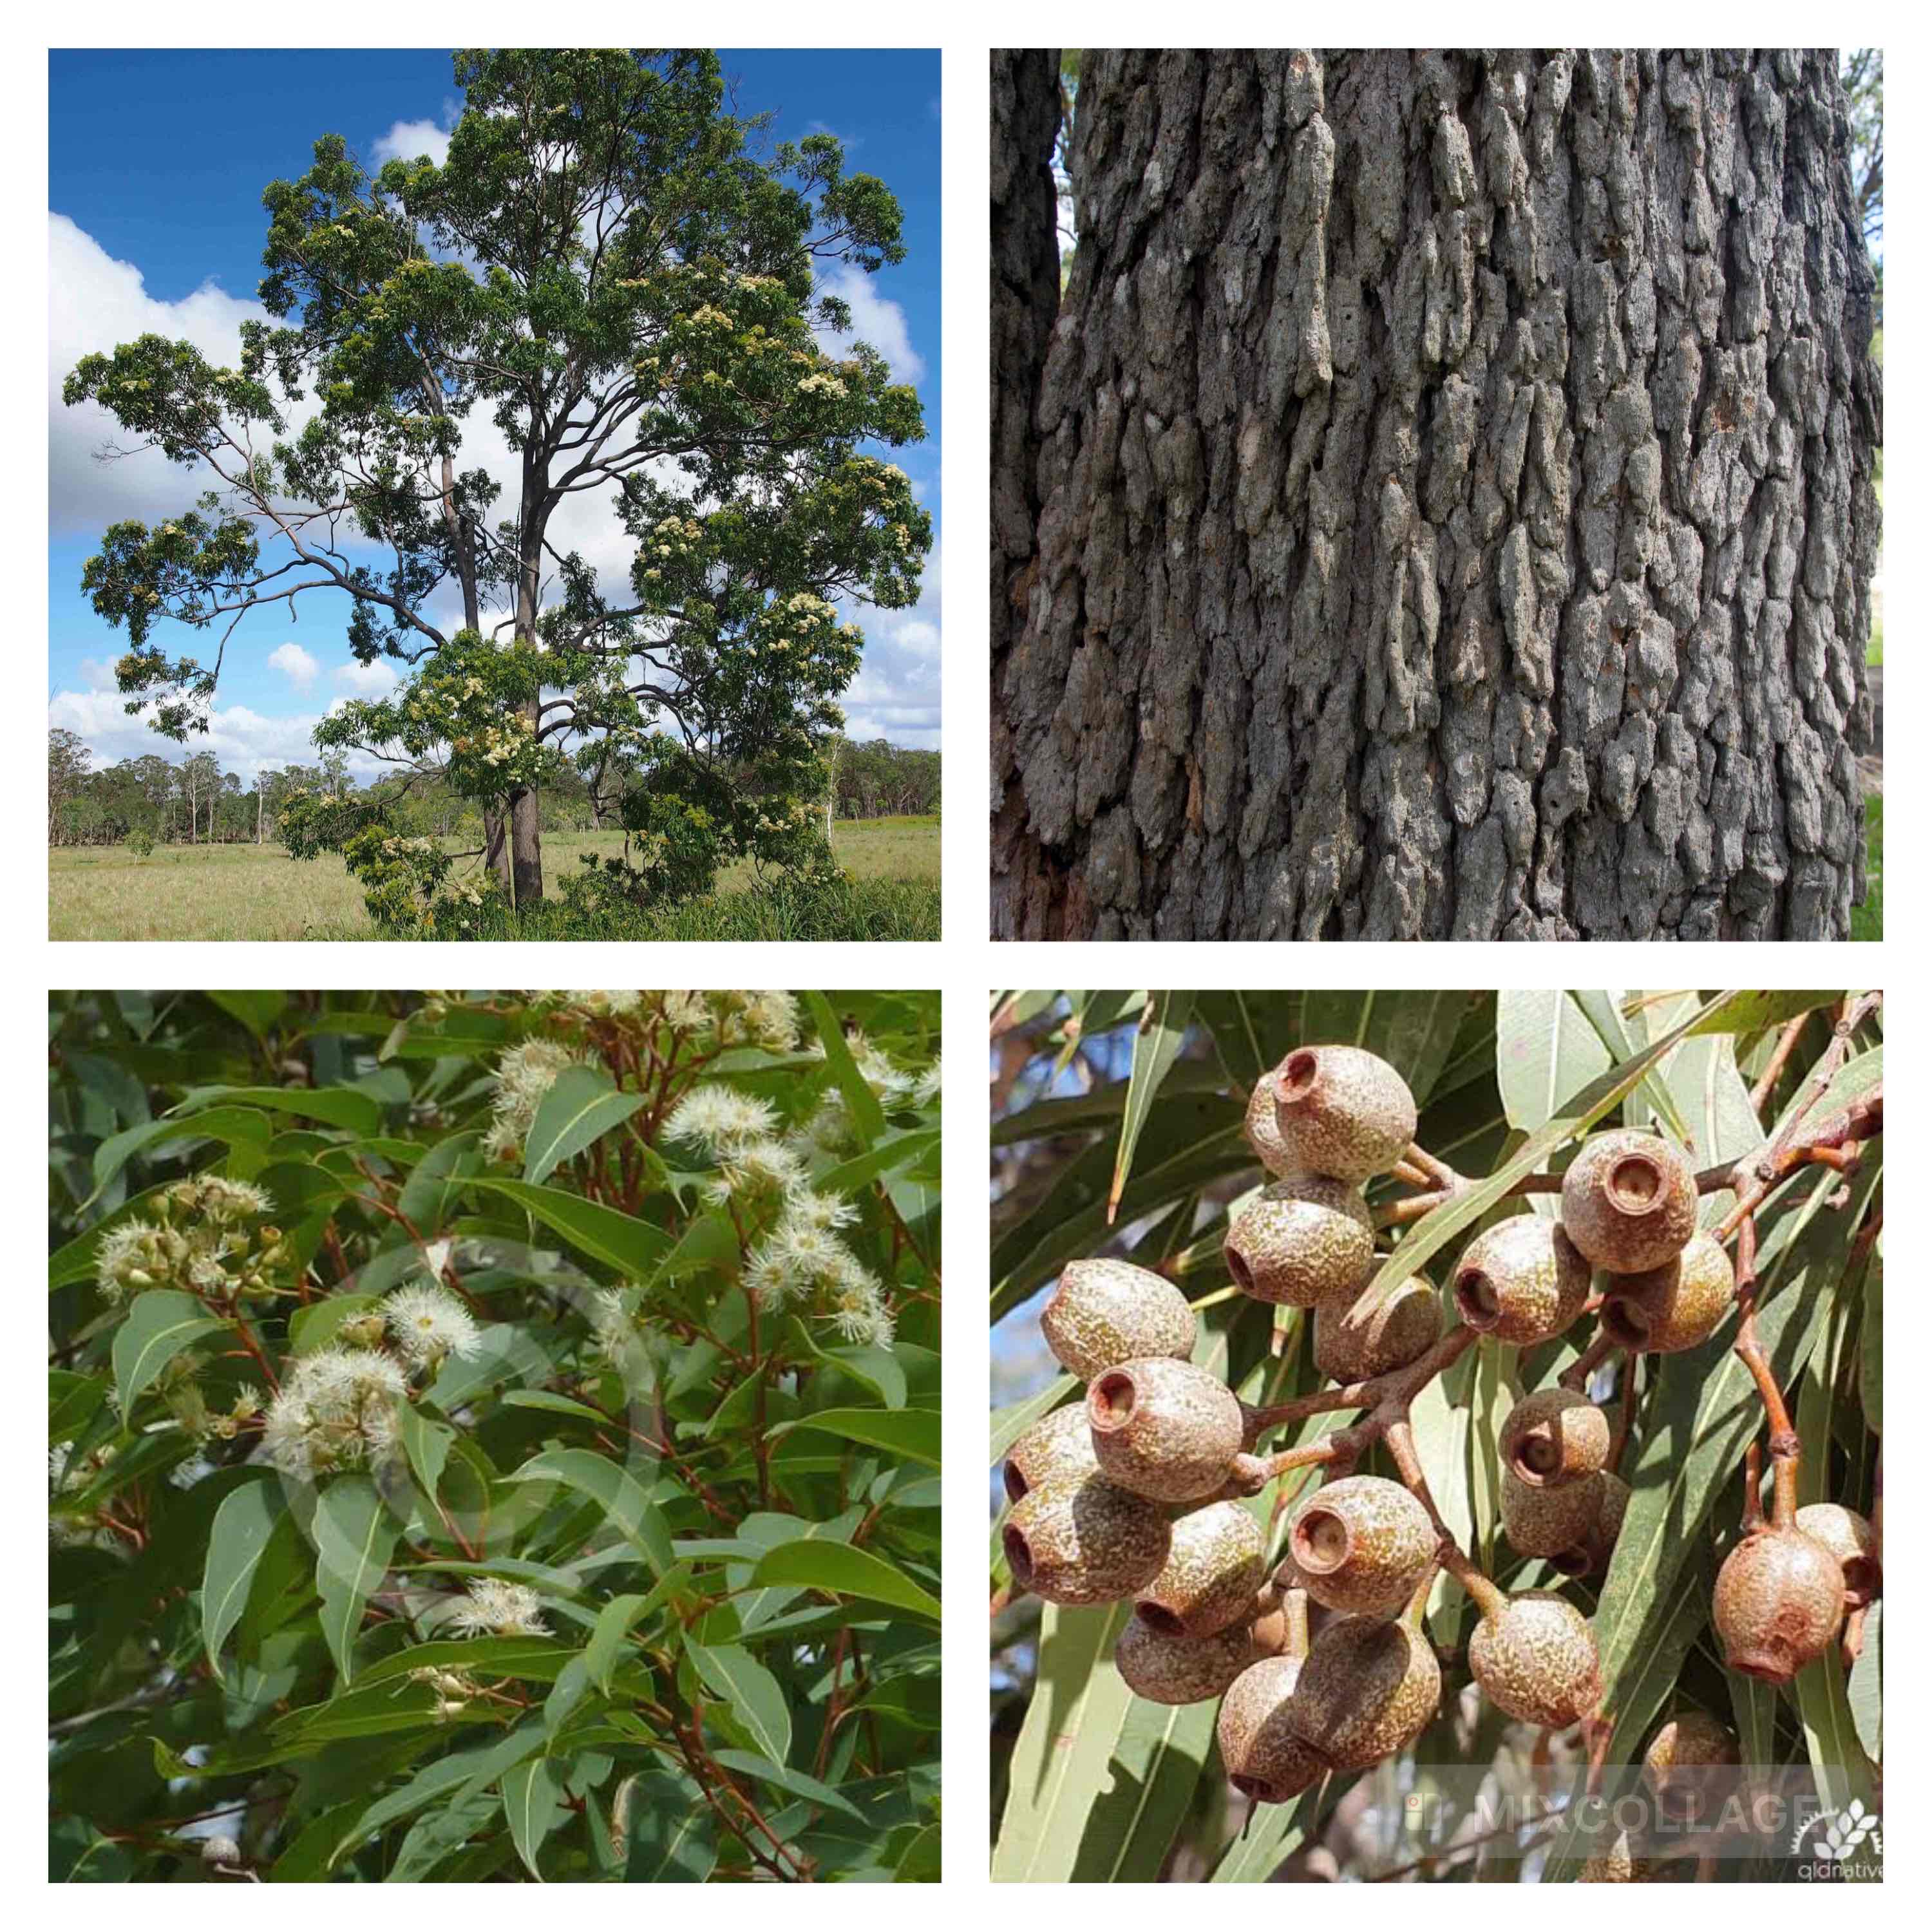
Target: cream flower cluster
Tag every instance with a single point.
(767, 1020)
(524, 1074)
(498, 1609)
(740, 1134)
(427, 1324)
(203, 1241)
(337, 1409)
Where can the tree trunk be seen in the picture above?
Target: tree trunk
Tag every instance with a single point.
(1454, 515)
(1029, 887)
(525, 848)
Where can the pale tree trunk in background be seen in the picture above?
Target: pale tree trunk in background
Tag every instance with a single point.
(261, 805)
(1454, 504)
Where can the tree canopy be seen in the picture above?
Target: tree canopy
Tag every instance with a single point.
(606, 270)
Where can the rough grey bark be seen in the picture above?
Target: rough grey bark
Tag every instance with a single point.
(1455, 512)
(1025, 300)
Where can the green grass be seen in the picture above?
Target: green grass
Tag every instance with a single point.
(250, 893)
(1868, 919)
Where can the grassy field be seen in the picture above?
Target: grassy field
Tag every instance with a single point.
(249, 891)
(1868, 919)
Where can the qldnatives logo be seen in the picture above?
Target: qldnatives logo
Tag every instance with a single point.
(1840, 1845)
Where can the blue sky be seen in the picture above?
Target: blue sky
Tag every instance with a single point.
(157, 163)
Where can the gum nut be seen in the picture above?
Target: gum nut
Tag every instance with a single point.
(1521, 1282)
(1689, 1751)
(1779, 1602)
(1555, 1437)
(1059, 1444)
(1366, 1691)
(1549, 1522)
(1379, 1331)
(1849, 1537)
(1263, 1135)
(1103, 1312)
(1360, 1545)
(1534, 1657)
(1664, 1310)
(1265, 1760)
(1164, 1428)
(1302, 1241)
(1629, 1201)
(1342, 1111)
(1080, 1540)
(1166, 1667)
(1215, 1564)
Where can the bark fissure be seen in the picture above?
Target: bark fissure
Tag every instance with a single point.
(1450, 507)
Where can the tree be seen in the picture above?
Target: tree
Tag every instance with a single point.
(525, 1472)
(68, 763)
(1452, 515)
(604, 269)
(1138, 1129)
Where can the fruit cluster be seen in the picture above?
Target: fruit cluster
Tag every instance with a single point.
(1137, 1491)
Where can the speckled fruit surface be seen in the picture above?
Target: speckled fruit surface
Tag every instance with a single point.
(1685, 1748)
(1629, 1201)
(1367, 1689)
(1521, 1282)
(1302, 1240)
(1342, 1111)
(1164, 1428)
(1849, 1537)
(1546, 1522)
(1059, 1444)
(1106, 1312)
(1536, 1659)
(1168, 1669)
(1360, 1545)
(1555, 1437)
(1779, 1601)
(1215, 1564)
(1377, 1332)
(1662, 1311)
(1081, 1539)
(1260, 1749)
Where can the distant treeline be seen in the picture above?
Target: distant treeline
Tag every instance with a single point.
(194, 801)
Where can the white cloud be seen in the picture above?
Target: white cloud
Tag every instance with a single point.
(96, 303)
(408, 139)
(295, 663)
(369, 680)
(243, 739)
(896, 693)
(874, 319)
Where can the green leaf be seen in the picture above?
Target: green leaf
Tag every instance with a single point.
(894, 1154)
(621, 1497)
(318, 1325)
(1413, 1031)
(355, 1537)
(242, 1526)
(1547, 1050)
(72, 1400)
(1157, 1044)
(846, 1571)
(1871, 1342)
(620, 1241)
(161, 1323)
(235, 1126)
(436, 1183)
(533, 1802)
(672, 1841)
(614, 1622)
(752, 1692)
(1751, 1012)
(868, 1116)
(1010, 1423)
(464, 1772)
(582, 1106)
(426, 1444)
(902, 1431)
(796, 1782)
(334, 1106)
(537, 1660)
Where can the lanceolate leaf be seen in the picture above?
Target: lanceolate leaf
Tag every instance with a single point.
(1413, 1031)
(620, 1241)
(355, 1536)
(581, 1107)
(1157, 1044)
(904, 1432)
(867, 1115)
(243, 1524)
(160, 1322)
(533, 1802)
(753, 1693)
(624, 1498)
(845, 1570)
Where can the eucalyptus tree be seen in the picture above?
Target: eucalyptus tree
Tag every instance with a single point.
(610, 271)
